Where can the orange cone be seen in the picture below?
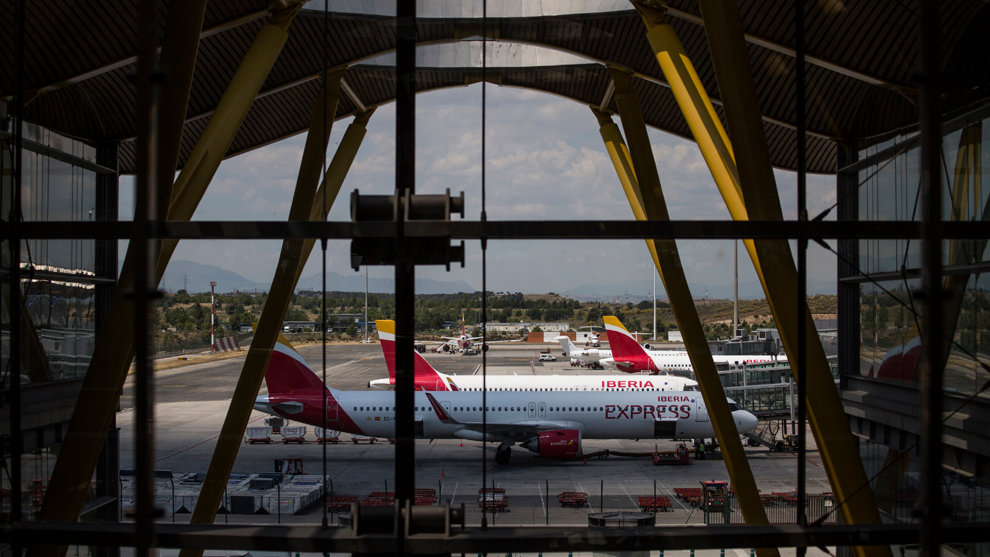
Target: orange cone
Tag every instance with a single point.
(462, 443)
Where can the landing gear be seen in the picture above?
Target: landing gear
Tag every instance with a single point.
(502, 454)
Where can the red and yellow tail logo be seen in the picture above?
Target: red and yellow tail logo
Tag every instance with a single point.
(426, 377)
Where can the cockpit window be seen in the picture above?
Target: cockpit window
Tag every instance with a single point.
(733, 407)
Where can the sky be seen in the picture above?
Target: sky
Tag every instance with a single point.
(545, 161)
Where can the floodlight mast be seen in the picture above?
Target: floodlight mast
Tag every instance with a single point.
(213, 308)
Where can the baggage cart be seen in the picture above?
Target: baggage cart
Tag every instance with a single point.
(258, 434)
(294, 434)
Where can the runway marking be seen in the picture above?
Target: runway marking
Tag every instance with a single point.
(634, 502)
(454, 494)
(172, 386)
(190, 447)
(543, 505)
(672, 497)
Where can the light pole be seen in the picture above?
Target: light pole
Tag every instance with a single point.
(654, 304)
(365, 303)
(213, 342)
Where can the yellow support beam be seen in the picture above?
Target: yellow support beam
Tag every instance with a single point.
(294, 256)
(771, 259)
(276, 304)
(178, 60)
(638, 174)
(336, 172)
(115, 344)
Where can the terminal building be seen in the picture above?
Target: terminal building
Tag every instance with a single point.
(891, 99)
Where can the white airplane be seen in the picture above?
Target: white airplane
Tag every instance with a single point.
(464, 342)
(427, 378)
(629, 356)
(549, 423)
(591, 357)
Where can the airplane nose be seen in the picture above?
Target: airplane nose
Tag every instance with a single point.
(745, 421)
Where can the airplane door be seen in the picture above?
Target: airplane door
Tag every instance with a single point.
(543, 410)
(332, 408)
(532, 409)
(701, 409)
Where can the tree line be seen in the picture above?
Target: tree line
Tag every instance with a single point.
(188, 315)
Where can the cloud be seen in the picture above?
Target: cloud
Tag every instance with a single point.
(545, 162)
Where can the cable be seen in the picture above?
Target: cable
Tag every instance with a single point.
(484, 275)
(323, 248)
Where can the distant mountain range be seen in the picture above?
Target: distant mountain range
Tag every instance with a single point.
(196, 277)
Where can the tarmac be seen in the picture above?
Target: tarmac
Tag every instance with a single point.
(191, 403)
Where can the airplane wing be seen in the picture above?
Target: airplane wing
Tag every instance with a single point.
(501, 341)
(522, 430)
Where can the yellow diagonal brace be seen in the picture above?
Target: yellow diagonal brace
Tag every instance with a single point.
(178, 60)
(276, 304)
(645, 195)
(115, 345)
(772, 259)
(334, 177)
(230, 112)
(333, 180)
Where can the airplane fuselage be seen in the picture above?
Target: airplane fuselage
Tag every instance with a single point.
(617, 415)
(445, 382)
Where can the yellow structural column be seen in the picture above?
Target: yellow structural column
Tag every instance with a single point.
(273, 312)
(333, 179)
(638, 175)
(774, 266)
(336, 172)
(115, 345)
(178, 60)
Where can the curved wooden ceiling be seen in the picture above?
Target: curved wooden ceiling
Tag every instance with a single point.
(861, 53)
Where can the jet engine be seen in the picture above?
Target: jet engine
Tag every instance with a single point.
(557, 443)
(445, 347)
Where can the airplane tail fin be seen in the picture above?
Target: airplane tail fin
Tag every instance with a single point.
(624, 346)
(569, 347)
(426, 376)
(288, 372)
(386, 335)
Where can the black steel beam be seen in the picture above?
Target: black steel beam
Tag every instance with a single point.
(405, 268)
(314, 538)
(498, 230)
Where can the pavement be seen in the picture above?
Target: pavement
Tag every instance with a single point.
(191, 402)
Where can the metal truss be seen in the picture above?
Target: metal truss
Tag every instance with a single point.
(314, 538)
(498, 230)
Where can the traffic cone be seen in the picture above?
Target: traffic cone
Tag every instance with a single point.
(462, 443)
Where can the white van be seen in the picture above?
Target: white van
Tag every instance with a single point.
(544, 357)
